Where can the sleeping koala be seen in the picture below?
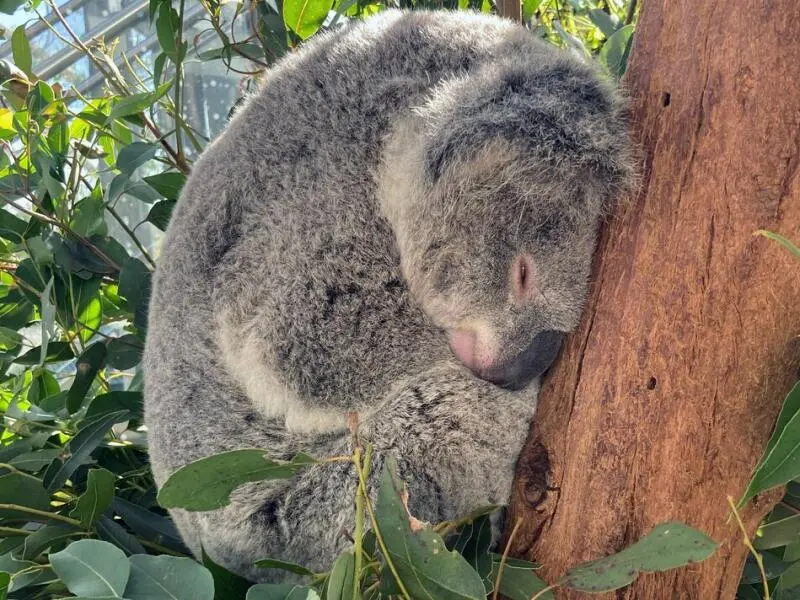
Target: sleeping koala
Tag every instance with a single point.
(399, 224)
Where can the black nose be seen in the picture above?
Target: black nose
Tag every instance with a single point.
(529, 364)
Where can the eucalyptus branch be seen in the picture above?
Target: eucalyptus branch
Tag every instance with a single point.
(179, 79)
(120, 88)
(64, 227)
(132, 235)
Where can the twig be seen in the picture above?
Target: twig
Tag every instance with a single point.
(631, 12)
(132, 235)
(503, 559)
(40, 513)
(379, 537)
(748, 544)
(360, 500)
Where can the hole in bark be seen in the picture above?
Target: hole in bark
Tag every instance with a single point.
(651, 384)
(665, 99)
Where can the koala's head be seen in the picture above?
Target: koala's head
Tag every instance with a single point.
(495, 189)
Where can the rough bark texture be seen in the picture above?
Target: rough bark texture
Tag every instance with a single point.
(663, 400)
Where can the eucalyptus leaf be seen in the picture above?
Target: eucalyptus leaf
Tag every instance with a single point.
(111, 531)
(134, 155)
(227, 585)
(87, 367)
(305, 17)
(96, 499)
(168, 578)
(92, 568)
(781, 461)
(340, 581)
(44, 537)
(614, 53)
(518, 580)
(207, 484)
(79, 449)
(424, 564)
(667, 546)
(21, 50)
(168, 184)
(281, 591)
(22, 490)
(103, 404)
(125, 352)
(271, 563)
(137, 103)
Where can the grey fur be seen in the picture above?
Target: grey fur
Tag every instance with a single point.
(367, 201)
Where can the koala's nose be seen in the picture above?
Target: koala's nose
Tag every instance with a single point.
(529, 364)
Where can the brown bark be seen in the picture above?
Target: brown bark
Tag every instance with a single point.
(664, 398)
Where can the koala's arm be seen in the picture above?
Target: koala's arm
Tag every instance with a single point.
(455, 441)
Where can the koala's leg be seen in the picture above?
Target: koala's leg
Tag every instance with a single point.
(455, 439)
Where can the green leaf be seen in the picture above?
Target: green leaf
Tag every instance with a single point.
(92, 568)
(9, 6)
(116, 401)
(35, 460)
(134, 155)
(131, 105)
(472, 542)
(271, 563)
(5, 584)
(227, 585)
(151, 526)
(25, 573)
(667, 546)
(80, 449)
(96, 499)
(56, 352)
(168, 184)
(90, 318)
(529, 8)
(424, 564)
(167, 29)
(160, 214)
(168, 578)
(44, 537)
(134, 283)
(281, 591)
(22, 490)
(207, 484)
(305, 17)
(340, 580)
(518, 581)
(605, 22)
(42, 386)
(778, 533)
(21, 50)
(111, 531)
(86, 369)
(614, 53)
(89, 217)
(781, 461)
(12, 228)
(786, 243)
(124, 352)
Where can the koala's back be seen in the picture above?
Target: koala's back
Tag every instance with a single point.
(279, 286)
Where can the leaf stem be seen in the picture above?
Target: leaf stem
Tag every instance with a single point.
(360, 500)
(41, 513)
(503, 559)
(379, 537)
(749, 545)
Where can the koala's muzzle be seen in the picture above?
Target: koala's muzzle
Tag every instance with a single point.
(529, 364)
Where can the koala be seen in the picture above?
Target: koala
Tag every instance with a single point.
(398, 225)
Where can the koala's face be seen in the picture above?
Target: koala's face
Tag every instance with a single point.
(498, 254)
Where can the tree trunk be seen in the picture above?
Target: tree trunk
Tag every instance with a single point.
(664, 398)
